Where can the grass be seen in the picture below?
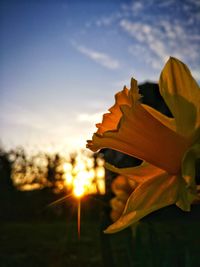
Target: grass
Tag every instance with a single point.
(53, 244)
(168, 237)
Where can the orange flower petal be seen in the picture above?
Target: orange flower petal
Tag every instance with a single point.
(111, 120)
(141, 135)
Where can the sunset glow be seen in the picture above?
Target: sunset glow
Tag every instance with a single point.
(79, 174)
(83, 177)
(78, 190)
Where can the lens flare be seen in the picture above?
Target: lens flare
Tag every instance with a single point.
(78, 191)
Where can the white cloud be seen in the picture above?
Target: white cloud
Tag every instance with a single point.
(159, 29)
(99, 57)
(92, 118)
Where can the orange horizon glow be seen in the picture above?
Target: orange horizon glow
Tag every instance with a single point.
(79, 174)
(83, 177)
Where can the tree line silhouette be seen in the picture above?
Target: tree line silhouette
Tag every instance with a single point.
(28, 184)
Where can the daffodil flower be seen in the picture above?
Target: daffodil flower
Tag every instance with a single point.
(168, 147)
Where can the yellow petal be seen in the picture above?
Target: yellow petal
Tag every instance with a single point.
(182, 95)
(139, 173)
(155, 193)
(189, 189)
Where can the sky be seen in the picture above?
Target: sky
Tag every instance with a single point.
(62, 61)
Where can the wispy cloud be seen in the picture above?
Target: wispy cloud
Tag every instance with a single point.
(157, 41)
(99, 57)
(158, 29)
(109, 19)
(105, 21)
(164, 33)
(137, 6)
(146, 57)
(147, 36)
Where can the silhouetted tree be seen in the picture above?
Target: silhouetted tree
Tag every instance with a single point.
(55, 172)
(6, 183)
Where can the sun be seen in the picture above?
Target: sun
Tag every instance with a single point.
(78, 190)
(85, 176)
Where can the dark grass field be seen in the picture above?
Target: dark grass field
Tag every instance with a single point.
(167, 238)
(53, 244)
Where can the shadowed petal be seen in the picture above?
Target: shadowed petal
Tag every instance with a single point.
(117, 206)
(157, 192)
(122, 184)
(182, 95)
(189, 187)
(122, 187)
(139, 174)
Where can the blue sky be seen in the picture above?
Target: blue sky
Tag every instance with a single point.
(62, 62)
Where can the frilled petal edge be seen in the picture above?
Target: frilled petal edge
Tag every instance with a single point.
(111, 119)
